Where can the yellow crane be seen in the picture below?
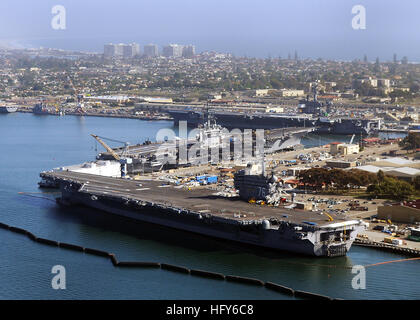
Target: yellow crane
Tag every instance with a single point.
(108, 148)
(329, 217)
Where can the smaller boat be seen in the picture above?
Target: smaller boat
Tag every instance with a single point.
(7, 109)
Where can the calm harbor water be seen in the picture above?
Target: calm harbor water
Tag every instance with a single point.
(30, 144)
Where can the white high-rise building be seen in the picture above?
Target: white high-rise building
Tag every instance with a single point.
(109, 50)
(188, 51)
(151, 50)
(121, 50)
(131, 50)
(173, 50)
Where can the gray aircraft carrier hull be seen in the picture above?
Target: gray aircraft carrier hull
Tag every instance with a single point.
(283, 238)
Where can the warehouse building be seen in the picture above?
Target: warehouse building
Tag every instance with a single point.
(403, 173)
(405, 212)
(341, 164)
(343, 148)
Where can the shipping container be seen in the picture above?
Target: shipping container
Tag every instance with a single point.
(389, 240)
(212, 179)
(397, 242)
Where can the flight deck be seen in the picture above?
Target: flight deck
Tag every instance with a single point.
(201, 199)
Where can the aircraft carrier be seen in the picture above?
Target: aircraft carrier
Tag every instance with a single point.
(309, 115)
(201, 211)
(258, 120)
(244, 120)
(348, 126)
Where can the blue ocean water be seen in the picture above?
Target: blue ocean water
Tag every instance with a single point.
(30, 144)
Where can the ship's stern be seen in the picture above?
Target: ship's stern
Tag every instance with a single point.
(336, 239)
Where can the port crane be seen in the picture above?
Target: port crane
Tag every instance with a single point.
(123, 159)
(80, 105)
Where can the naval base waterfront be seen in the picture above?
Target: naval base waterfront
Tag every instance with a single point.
(27, 265)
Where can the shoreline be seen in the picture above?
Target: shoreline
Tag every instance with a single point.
(121, 116)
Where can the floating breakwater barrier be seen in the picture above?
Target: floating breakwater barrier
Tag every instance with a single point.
(47, 242)
(207, 274)
(172, 267)
(31, 236)
(138, 264)
(245, 280)
(279, 288)
(18, 230)
(169, 267)
(71, 246)
(4, 226)
(113, 259)
(310, 295)
(96, 252)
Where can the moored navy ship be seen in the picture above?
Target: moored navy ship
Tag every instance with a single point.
(149, 157)
(241, 120)
(309, 115)
(7, 109)
(201, 211)
(347, 126)
(43, 109)
(244, 120)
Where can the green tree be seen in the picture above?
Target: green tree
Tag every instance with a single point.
(417, 183)
(316, 177)
(411, 142)
(391, 188)
(381, 176)
(359, 178)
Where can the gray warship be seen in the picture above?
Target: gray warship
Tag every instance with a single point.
(155, 156)
(201, 211)
(8, 109)
(309, 115)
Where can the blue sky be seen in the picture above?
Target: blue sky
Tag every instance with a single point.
(315, 28)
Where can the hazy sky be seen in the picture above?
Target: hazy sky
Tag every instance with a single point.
(315, 28)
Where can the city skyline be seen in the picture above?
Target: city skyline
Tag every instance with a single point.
(154, 50)
(315, 29)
